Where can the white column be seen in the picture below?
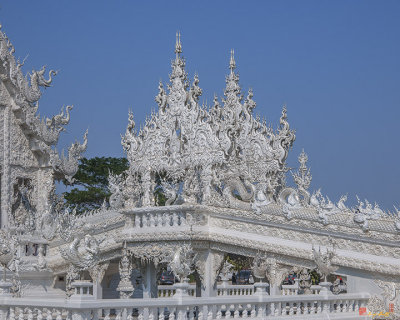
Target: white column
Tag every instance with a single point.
(97, 290)
(274, 290)
(209, 282)
(150, 281)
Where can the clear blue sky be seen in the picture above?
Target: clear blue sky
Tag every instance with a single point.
(334, 63)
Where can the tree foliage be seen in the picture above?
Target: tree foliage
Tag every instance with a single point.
(90, 187)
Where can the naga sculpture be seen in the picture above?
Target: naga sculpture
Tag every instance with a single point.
(82, 253)
(323, 260)
(182, 262)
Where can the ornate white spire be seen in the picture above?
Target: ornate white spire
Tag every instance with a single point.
(232, 63)
(207, 149)
(178, 46)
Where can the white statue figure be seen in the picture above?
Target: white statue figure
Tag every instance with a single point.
(323, 260)
(82, 253)
(183, 262)
(115, 186)
(226, 270)
(8, 246)
(259, 268)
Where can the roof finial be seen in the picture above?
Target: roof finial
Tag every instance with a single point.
(232, 63)
(178, 46)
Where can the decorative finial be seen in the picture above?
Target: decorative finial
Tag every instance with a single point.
(178, 46)
(232, 63)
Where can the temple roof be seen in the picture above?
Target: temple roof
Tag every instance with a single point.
(226, 138)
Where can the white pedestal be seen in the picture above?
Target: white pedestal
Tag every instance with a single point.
(82, 290)
(181, 289)
(40, 284)
(5, 289)
(325, 288)
(261, 288)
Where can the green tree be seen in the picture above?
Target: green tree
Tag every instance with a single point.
(90, 187)
(239, 262)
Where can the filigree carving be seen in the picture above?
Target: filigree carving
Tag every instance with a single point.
(82, 253)
(323, 260)
(183, 261)
(190, 144)
(125, 286)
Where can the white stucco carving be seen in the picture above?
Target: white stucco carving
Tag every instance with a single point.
(223, 173)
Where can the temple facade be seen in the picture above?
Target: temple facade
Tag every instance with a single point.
(204, 184)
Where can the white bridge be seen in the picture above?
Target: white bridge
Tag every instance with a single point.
(205, 183)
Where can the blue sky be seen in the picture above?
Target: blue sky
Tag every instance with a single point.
(334, 63)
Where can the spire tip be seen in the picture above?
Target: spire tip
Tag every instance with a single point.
(232, 63)
(178, 46)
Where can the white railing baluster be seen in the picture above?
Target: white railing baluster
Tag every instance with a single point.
(141, 312)
(30, 314)
(210, 313)
(12, 314)
(161, 314)
(129, 312)
(49, 315)
(20, 313)
(107, 314)
(200, 316)
(219, 312)
(59, 314)
(118, 314)
(183, 219)
(171, 314)
(236, 305)
(236, 313)
(175, 219)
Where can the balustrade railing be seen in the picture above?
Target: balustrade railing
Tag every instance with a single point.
(165, 291)
(237, 307)
(159, 219)
(235, 290)
(290, 289)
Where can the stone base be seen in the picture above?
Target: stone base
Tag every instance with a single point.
(5, 289)
(261, 288)
(39, 284)
(181, 289)
(125, 291)
(325, 288)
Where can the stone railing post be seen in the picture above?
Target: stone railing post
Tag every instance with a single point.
(261, 288)
(181, 289)
(4, 312)
(5, 287)
(82, 293)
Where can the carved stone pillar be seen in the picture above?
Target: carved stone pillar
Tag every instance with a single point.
(97, 273)
(209, 262)
(275, 275)
(6, 191)
(147, 188)
(81, 293)
(149, 274)
(206, 184)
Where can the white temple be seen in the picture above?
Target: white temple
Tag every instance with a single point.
(224, 175)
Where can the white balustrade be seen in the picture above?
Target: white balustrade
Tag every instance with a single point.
(290, 289)
(173, 308)
(235, 289)
(165, 219)
(165, 291)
